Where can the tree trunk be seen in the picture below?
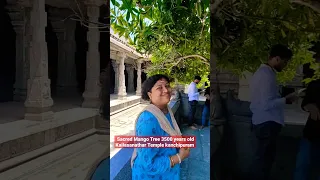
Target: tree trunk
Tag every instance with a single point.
(215, 95)
(216, 131)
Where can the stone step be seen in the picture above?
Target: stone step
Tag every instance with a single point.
(119, 105)
(125, 108)
(24, 136)
(75, 161)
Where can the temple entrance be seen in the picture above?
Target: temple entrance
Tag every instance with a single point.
(7, 63)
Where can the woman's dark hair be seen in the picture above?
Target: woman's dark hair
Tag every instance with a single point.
(282, 51)
(149, 83)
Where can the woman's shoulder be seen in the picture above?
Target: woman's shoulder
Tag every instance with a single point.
(147, 121)
(147, 116)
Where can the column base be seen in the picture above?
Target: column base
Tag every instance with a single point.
(49, 115)
(138, 93)
(122, 93)
(91, 100)
(122, 97)
(39, 102)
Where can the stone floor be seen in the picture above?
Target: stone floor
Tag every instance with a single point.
(115, 101)
(122, 124)
(74, 161)
(197, 166)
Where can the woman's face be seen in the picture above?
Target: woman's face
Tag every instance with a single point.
(160, 93)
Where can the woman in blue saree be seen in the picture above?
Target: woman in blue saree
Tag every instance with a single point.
(157, 163)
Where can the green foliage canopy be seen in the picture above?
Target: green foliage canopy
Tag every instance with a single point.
(175, 33)
(245, 30)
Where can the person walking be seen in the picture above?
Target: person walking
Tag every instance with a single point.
(267, 108)
(193, 95)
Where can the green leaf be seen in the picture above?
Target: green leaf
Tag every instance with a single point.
(135, 10)
(115, 3)
(128, 16)
(283, 33)
(289, 26)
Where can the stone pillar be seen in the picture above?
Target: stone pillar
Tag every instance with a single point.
(38, 103)
(138, 90)
(130, 71)
(122, 80)
(244, 89)
(18, 19)
(66, 81)
(92, 89)
(115, 66)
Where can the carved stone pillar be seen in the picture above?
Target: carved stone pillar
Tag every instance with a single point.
(92, 89)
(130, 71)
(66, 81)
(138, 90)
(122, 80)
(115, 66)
(18, 19)
(38, 103)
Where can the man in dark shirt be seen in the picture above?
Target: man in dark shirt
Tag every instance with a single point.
(206, 109)
(310, 144)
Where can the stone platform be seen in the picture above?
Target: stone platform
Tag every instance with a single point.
(122, 124)
(14, 111)
(118, 104)
(24, 140)
(75, 161)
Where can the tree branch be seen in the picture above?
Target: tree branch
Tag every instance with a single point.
(177, 61)
(204, 60)
(315, 5)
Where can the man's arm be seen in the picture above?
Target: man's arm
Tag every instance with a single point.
(268, 92)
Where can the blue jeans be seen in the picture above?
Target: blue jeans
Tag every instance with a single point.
(308, 155)
(192, 112)
(205, 113)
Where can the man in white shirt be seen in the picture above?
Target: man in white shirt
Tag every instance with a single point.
(193, 95)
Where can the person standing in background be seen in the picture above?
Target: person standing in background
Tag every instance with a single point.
(309, 152)
(206, 108)
(193, 95)
(267, 108)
